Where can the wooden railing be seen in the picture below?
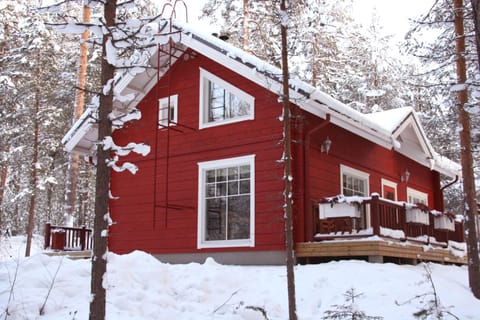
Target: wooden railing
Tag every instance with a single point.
(67, 238)
(386, 216)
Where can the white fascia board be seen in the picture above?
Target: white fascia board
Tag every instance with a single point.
(412, 120)
(77, 131)
(236, 66)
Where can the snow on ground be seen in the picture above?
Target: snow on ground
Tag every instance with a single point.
(141, 287)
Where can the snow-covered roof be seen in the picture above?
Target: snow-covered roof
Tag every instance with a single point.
(398, 129)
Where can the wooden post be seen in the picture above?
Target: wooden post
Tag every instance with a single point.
(404, 220)
(48, 229)
(374, 215)
(83, 234)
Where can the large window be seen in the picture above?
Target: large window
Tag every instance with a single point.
(226, 202)
(415, 196)
(222, 103)
(354, 182)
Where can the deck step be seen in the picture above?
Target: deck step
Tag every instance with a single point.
(87, 254)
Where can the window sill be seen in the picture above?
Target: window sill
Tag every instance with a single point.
(225, 244)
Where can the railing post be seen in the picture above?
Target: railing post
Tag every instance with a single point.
(83, 235)
(47, 235)
(404, 220)
(374, 215)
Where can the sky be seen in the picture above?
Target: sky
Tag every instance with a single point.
(394, 15)
(139, 287)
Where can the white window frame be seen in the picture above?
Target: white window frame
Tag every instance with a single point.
(205, 78)
(390, 184)
(203, 167)
(164, 112)
(413, 193)
(357, 174)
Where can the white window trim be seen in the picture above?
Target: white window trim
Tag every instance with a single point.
(217, 164)
(204, 77)
(390, 184)
(354, 172)
(162, 117)
(417, 194)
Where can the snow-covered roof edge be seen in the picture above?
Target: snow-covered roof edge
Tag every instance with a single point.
(313, 100)
(270, 77)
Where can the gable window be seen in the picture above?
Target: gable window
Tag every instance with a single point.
(221, 102)
(353, 182)
(167, 114)
(415, 196)
(226, 201)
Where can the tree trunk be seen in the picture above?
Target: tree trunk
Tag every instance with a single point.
(33, 178)
(471, 210)
(476, 20)
(287, 157)
(246, 27)
(73, 160)
(3, 183)
(100, 230)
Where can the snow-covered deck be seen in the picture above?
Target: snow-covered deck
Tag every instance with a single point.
(377, 227)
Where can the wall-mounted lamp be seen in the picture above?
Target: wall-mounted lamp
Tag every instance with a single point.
(325, 147)
(405, 176)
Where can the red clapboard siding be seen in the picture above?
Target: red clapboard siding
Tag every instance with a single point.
(142, 222)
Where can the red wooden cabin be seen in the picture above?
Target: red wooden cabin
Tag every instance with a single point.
(212, 183)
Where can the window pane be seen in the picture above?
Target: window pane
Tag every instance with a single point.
(237, 107)
(216, 102)
(221, 175)
(210, 176)
(233, 188)
(210, 190)
(215, 219)
(239, 217)
(244, 186)
(221, 189)
(232, 173)
(244, 172)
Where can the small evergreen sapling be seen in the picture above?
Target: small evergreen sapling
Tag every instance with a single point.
(349, 310)
(431, 306)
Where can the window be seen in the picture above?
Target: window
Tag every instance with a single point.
(415, 196)
(222, 103)
(226, 201)
(353, 182)
(164, 112)
(389, 190)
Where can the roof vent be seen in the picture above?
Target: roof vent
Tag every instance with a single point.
(222, 36)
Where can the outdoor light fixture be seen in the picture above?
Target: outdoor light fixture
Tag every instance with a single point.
(405, 176)
(325, 147)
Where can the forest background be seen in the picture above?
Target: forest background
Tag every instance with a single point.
(328, 48)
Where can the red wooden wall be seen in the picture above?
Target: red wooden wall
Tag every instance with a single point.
(141, 220)
(323, 171)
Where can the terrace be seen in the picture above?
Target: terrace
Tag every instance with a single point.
(380, 229)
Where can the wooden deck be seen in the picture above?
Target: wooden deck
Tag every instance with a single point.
(378, 250)
(74, 255)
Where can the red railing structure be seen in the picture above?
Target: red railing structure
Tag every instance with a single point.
(67, 238)
(386, 217)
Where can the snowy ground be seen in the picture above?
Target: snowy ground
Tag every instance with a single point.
(140, 287)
